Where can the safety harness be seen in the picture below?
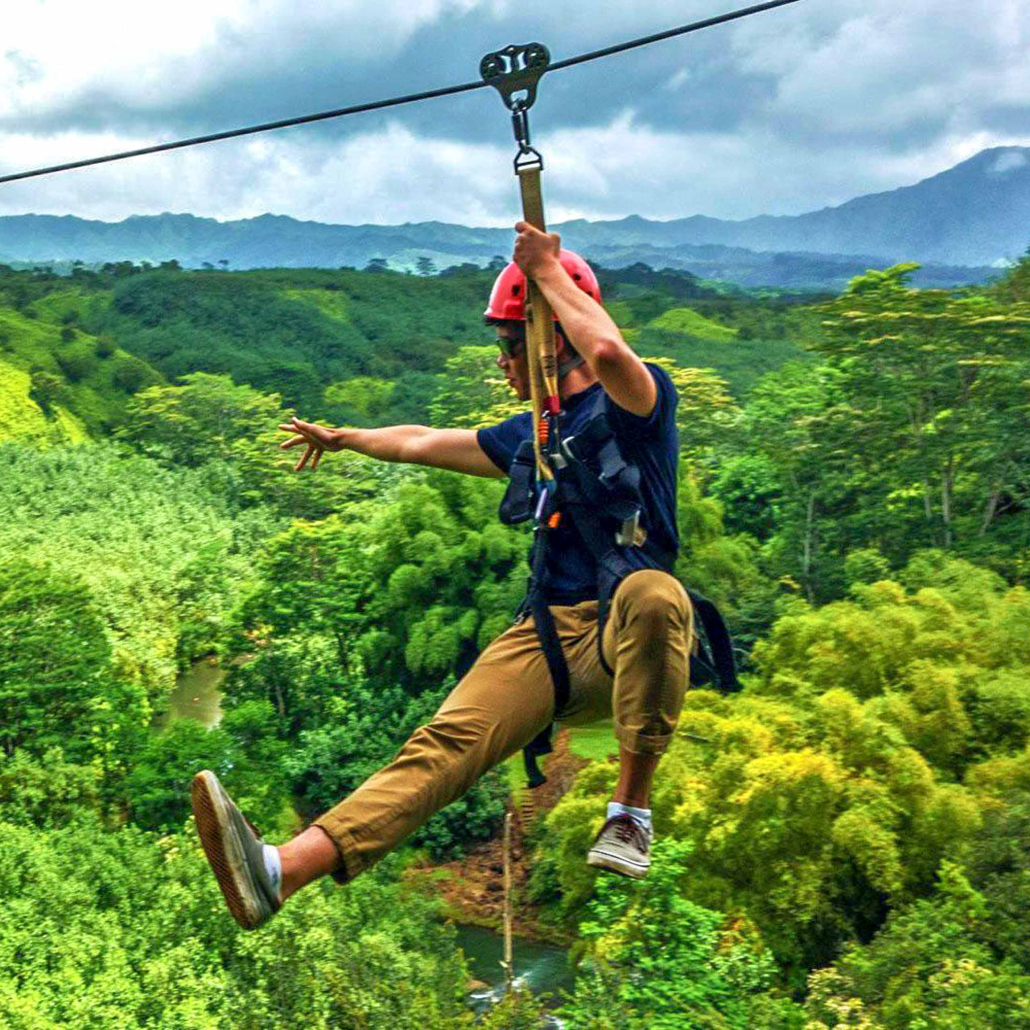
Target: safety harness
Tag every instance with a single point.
(583, 479)
(597, 494)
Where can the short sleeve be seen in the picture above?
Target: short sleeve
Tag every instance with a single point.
(500, 442)
(644, 426)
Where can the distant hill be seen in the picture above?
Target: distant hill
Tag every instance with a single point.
(959, 224)
(975, 214)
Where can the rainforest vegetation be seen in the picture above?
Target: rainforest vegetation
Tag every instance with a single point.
(846, 843)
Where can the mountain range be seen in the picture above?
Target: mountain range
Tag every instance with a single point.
(962, 224)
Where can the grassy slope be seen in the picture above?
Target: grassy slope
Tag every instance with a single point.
(347, 323)
(96, 384)
(762, 340)
(329, 303)
(297, 331)
(341, 324)
(690, 323)
(21, 418)
(596, 741)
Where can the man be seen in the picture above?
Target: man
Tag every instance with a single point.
(634, 670)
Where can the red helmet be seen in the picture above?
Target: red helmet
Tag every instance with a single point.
(508, 296)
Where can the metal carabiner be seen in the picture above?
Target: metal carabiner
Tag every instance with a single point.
(520, 125)
(527, 156)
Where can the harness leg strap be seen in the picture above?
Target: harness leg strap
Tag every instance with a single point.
(550, 644)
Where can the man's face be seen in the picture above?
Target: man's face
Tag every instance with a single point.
(514, 364)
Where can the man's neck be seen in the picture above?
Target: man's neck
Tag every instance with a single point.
(578, 380)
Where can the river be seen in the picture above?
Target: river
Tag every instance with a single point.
(197, 694)
(543, 968)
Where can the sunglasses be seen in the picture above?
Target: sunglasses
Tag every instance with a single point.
(510, 347)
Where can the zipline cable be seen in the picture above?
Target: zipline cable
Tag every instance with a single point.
(410, 98)
(695, 26)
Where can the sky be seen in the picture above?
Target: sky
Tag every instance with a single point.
(784, 112)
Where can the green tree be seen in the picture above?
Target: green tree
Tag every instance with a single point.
(472, 392)
(158, 788)
(47, 791)
(935, 384)
(55, 661)
(362, 399)
(794, 421)
(407, 587)
(930, 966)
(700, 967)
(165, 553)
(47, 390)
(706, 410)
(199, 420)
(137, 927)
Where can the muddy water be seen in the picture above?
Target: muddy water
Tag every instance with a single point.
(197, 695)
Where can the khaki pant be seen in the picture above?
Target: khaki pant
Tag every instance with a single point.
(507, 698)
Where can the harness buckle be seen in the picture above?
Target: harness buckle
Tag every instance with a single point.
(627, 535)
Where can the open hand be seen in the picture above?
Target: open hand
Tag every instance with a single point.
(535, 250)
(315, 439)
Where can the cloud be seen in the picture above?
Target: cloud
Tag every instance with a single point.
(785, 112)
(385, 177)
(891, 74)
(126, 59)
(393, 175)
(1008, 161)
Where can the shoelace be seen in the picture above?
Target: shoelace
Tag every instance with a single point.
(628, 831)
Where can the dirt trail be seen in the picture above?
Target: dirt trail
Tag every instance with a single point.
(473, 887)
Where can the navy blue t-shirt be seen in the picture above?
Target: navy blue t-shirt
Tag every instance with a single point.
(651, 443)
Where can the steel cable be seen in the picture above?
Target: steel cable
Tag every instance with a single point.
(410, 98)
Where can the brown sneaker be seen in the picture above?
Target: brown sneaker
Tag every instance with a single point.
(623, 846)
(236, 853)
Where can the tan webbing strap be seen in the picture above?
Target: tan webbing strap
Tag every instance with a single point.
(533, 212)
(543, 366)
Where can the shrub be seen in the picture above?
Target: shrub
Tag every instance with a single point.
(106, 346)
(77, 364)
(131, 375)
(46, 389)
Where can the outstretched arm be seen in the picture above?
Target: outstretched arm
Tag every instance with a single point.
(588, 326)
(454, 449)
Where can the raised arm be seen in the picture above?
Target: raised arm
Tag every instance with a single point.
(588, 326)
(454, 449)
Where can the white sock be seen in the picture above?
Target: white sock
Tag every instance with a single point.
(273, 866)
(640, 815)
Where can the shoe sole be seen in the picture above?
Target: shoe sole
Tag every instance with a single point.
(615, 864)
(223, 850)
